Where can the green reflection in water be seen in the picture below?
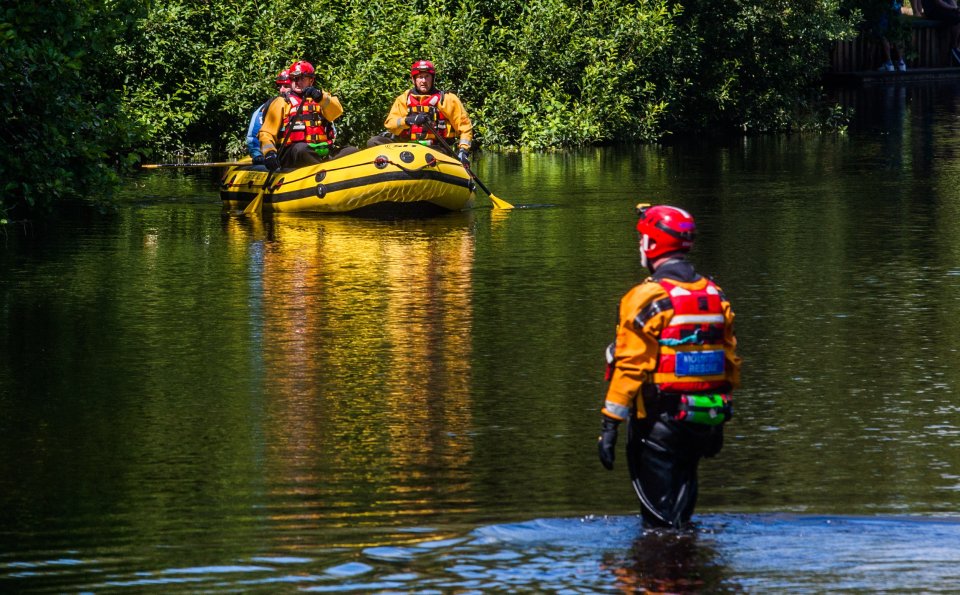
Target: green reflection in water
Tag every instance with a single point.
(184, 387)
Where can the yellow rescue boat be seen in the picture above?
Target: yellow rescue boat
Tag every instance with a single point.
(394, 179)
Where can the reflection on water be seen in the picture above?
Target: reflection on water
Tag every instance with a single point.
(363, 332)
(723, 554)
(669, 562)
(192, 401)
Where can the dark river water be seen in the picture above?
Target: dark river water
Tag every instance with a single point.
(194, 402)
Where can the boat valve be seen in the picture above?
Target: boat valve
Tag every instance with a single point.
(381, 161)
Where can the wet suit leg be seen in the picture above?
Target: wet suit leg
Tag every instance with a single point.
(384, 138)
(343, 152)
(302, 155)
(663, 456)
(299, 155)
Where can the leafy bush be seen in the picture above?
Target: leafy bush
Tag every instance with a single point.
(749, 65)
(59, 92)
(534, 74)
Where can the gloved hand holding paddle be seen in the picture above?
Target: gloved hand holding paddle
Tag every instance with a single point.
(418, 119)
(498, 203)
(271, 161)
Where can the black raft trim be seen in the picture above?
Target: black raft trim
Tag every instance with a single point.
(400, 176)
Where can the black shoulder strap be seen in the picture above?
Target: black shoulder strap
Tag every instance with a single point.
(651, 310)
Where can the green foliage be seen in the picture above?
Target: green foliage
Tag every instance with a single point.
(536, 75)
(64, 129)
(749, 65)
(569, 76)
(87, 82)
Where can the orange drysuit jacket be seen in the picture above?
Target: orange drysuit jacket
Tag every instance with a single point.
(636, 350)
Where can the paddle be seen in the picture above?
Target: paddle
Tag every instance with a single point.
(211, 164)
(257, 203)
(497, 202)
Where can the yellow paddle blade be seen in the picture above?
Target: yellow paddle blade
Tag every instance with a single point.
(255, 205)
(500, 203)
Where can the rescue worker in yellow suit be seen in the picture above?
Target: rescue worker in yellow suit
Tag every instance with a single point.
(299, 131)
(671, 371)
(423, 110)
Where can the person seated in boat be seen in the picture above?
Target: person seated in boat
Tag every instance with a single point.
(300, 131)
(423, 112)
(256, 120)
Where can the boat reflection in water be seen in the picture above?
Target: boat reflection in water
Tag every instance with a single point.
(362, 336)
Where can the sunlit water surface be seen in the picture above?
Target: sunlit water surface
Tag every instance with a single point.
(190, 401)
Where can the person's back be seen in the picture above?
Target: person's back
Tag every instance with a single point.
(671, 371)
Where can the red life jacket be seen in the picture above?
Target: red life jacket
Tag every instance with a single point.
(429, 104)
(308, 125)
(691, 357)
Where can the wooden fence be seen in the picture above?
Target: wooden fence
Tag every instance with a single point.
(929, 48)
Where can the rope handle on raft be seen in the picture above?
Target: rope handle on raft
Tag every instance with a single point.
(389, 161)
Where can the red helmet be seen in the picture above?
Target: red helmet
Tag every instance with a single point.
(422, 66)
(301, 68)
(283, 78)
(664, 230)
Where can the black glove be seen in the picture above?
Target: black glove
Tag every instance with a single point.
(418, 119)
(607, 441)
(464, 157)
(258, 160)
(313, 93)
(271, 161)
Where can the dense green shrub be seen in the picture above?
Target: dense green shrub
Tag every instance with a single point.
(571, 75)
(749, 65)
(64, 128)
(534, 74)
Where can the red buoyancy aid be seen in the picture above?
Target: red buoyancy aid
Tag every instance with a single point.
(308, 125)
(692, 357)
(429, 104)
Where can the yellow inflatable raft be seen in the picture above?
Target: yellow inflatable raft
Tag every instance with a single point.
(395, 179)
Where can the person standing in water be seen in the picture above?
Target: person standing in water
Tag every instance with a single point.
(671, 370)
